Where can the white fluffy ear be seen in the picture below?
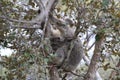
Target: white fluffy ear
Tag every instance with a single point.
(55, 33)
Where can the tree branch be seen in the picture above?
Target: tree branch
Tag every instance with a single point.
(21, 21)
(54, 74)
(85, 58)
(96, 57)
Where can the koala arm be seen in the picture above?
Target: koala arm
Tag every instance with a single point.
(69, 61)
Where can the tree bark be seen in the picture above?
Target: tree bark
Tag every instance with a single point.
(87, 61)
(54, 74)
(95, 58)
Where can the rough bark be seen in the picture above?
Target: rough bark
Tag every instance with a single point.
(54, 74)
(95, 59)
(87, 61)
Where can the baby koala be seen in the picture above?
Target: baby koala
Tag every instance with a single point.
(69, 61)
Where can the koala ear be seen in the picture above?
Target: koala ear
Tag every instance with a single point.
(69, 22)
(56, 33)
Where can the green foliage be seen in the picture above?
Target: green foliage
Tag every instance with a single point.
(105, 3)
(32, 49)
(100, 34)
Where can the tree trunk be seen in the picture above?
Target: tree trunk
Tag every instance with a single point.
(54, 74)
(95, 58)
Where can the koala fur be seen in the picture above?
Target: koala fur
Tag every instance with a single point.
(61, 49)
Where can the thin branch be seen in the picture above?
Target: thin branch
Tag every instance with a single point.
(26, 27)
(79, 75)
(56, 21)
(91, 46)
(40, 4)
(44, 14)
(81, 12)
(19, 21)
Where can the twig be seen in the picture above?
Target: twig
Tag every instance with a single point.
(91, 46)
(22, 21)
(40, 4)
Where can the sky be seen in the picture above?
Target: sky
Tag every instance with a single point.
(5, 51)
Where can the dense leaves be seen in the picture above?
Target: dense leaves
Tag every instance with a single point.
(19, 32)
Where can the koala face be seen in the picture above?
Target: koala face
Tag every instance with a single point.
(59, 55)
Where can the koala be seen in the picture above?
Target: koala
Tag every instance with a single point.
(59, 55)
(74, 58)
(61, 37)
